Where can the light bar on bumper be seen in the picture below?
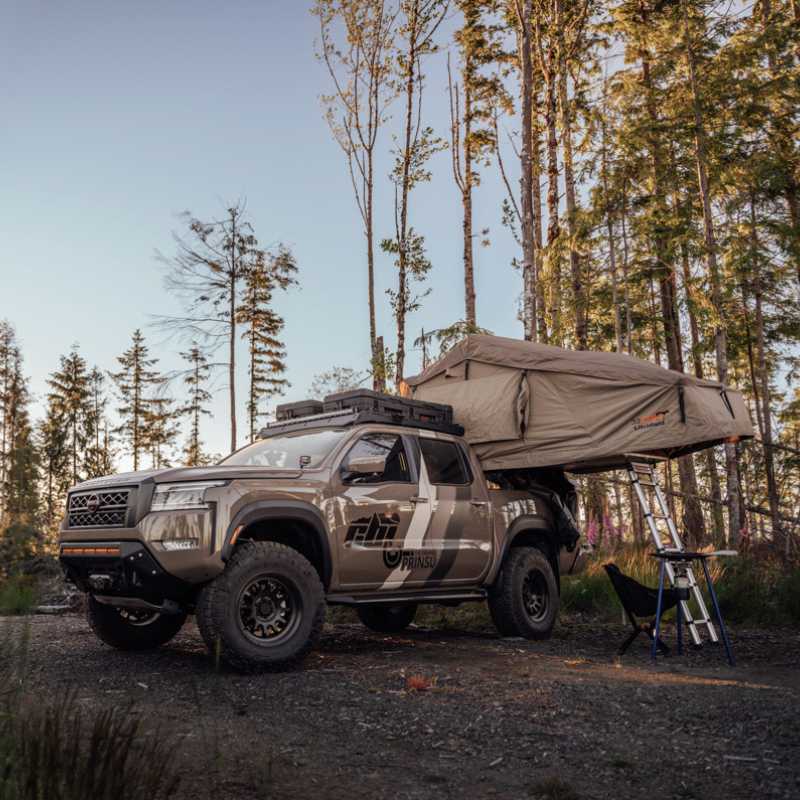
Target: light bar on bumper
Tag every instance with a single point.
(177, 496)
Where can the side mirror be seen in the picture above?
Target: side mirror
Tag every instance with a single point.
(366, 465)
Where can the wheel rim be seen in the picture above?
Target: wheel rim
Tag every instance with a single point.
(138, 617)
(269, 610)
(535, 595)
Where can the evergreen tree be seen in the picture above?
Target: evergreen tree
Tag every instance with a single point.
(99, 458)
(263, 328)
(20, 487)
(70, 403)
(161, 429)
(207, 274)
(195, 379)
(135, 382)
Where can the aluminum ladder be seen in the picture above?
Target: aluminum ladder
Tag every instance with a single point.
(653, 503)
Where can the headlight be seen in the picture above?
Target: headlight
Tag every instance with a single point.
(172, 496)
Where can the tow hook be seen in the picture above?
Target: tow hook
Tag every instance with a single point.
(100, 583)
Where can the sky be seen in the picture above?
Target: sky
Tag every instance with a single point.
(119, 116)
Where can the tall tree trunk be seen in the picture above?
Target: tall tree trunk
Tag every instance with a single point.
(692, 513)
(402, 243)
(232, 333)
(712, 266)
(553, 227)
(578, 287)
(625, 277)
(524, 17)
(469, 264)
(779, 536)
(370, 236)
(536, 156)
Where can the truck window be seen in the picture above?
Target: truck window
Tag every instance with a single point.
(289, 451)
(443, 462)
(381, 445)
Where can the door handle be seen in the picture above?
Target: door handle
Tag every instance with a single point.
(479, 502)
(417, 499)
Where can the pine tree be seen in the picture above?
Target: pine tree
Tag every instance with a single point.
(161, 429)
(134, 382)
(20, 487)
(99, 454)
(70, 401)
(263, 328)
(207, 273)
(195, 379)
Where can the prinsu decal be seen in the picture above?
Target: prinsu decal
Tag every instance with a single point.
(375, 530)
(408, 559)
(650, 421)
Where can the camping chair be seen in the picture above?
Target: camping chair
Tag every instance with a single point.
(640, 601)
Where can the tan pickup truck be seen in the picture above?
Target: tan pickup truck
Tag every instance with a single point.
(366, 500)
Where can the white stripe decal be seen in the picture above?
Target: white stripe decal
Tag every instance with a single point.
(420, 522)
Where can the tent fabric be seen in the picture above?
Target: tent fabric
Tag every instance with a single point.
(526, 405)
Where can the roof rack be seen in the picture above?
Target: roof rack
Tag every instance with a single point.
(361, 406)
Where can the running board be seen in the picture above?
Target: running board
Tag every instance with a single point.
(398, 598)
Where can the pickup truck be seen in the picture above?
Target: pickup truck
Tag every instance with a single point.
(367, 501)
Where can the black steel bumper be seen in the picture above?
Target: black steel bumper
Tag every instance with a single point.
(121, 569)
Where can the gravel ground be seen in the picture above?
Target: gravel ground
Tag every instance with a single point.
(502, 718)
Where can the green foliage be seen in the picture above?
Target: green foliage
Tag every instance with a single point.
(18, 595)
(19, 542)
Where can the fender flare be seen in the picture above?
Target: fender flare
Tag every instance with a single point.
(525, 524)
(294, 510)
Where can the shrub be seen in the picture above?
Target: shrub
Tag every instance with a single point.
(18, 595)
(60, 751)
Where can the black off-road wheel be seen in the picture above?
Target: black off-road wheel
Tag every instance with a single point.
(265, 611)
(387, 619)
(524, 600)
(132, 629)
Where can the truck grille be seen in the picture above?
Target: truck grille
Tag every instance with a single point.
(100, 509)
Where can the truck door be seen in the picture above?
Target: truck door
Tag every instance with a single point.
(380, 508)
(461, 528)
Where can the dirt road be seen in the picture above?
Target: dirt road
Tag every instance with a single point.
(503, 718)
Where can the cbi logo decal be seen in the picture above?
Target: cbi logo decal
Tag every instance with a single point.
(379, 530)
(375, 530)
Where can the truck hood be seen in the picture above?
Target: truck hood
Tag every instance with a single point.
(179, 474)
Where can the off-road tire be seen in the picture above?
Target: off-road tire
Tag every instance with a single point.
(218, 608)
(387, 619)
(507, 600)
(111, 626)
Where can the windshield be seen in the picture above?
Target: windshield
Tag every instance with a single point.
(286, 451)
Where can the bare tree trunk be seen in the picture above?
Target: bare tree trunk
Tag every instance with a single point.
(625, 277)
(778, 533)
(578, 287)
(720, 322)
(612, 252)
(402, 260)
(524, 16)
(553, 227)
(536, 155)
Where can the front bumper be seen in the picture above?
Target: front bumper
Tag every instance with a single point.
(121, 569)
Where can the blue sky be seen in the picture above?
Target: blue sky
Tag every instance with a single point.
(119, 116)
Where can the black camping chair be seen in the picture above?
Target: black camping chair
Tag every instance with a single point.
(640, 601)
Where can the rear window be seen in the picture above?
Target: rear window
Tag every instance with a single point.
(443, 461)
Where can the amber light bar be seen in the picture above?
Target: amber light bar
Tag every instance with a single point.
(67, 550)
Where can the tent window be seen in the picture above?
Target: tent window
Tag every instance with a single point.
(443, 462)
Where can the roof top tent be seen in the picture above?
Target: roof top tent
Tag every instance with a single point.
(524, 405)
